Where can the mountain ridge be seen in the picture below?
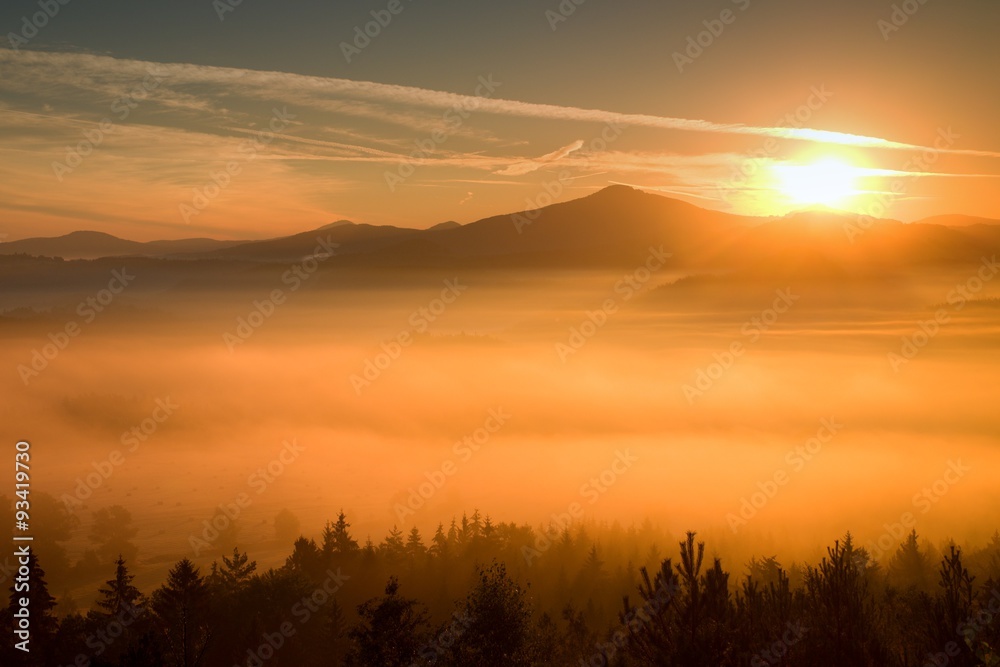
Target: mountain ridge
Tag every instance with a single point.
(609, 226)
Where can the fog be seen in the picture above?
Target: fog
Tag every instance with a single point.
(496, 404)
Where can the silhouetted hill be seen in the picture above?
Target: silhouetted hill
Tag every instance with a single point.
(827, 242)
(92, 245)
(616, 226)
(957, 221)
(450, 224)
(351, 238)
(612, 227)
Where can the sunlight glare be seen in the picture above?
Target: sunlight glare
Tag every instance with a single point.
(828, 182)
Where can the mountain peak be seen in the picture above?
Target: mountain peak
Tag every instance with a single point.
(334, 225)
(617, 190)
(818, 215)
(818, 208)
(621, 194)
(449, 224)
(88, 235)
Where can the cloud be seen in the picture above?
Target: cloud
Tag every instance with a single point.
(328, 163)
(352, 148)
(87, 72)
(529, 166)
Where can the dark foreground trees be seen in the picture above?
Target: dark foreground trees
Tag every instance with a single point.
(390, 630)
(485, 593)
(181, 608)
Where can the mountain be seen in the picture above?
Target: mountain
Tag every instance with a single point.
(617, 224)
(450, 224)
(612, 227)
(608, 226)
(957, 221)
(838, 242)
(351, 237)
(92, 245)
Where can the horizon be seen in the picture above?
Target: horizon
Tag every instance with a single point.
(805, 210)
(317, 129)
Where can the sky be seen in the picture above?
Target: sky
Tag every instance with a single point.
(160, 120)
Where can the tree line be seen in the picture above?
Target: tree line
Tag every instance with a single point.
(480, 593)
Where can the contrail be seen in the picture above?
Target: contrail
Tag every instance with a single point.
(75, 69)
(326, 144)
(528, 166)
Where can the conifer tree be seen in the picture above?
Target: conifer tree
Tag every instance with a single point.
(439, 543)
(181, 606)
(415, 548)
(498, 622)
(393, 547)
(121, 613)
(118, 595)
(390, 632)
(236, 573)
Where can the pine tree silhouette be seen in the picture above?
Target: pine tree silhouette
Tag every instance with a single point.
(390, 632)
(236, 573)
(181, 607)
(118, 595)
(843, 615)
(498, 621)
(337, 540)
(953, 605)
(909, 567)
(122, 605)
(415, 549)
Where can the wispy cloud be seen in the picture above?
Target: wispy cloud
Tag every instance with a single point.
(87, 72)
(345, 136)
(529, 166)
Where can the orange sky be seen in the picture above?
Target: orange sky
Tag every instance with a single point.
(213, 135)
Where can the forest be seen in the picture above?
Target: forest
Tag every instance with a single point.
(479, 592)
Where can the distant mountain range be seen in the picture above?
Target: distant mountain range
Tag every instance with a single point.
(610, 227)
(93, 245)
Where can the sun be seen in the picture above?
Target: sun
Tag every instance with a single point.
(829, 182)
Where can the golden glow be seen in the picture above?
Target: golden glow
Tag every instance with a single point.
(829, 182)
